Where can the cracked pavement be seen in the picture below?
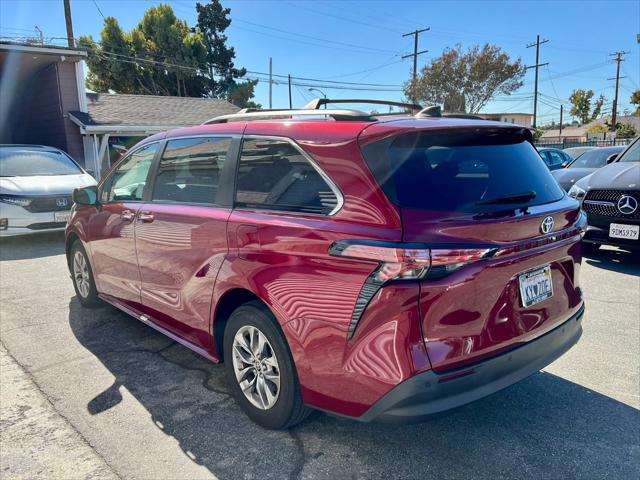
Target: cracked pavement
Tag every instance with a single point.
(151, 409)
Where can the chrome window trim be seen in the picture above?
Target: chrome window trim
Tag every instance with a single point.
(330, 183)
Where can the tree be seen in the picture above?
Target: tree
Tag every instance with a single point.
(160, 56)
(466, 81)
(598, 107)
(213, 20)
(625, 130)
(163, 56)
(635, 100)
(581, 104)
(240, 93)
(598, 128)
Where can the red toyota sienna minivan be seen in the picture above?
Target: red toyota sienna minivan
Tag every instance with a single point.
(376, 267)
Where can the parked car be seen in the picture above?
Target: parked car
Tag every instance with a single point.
(585, 164)
(575, 152)
(380, 268)
(36, 183)
(611, 198)
(554, 158)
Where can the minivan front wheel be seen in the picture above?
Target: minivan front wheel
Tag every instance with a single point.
(260, 369)
(82, 274)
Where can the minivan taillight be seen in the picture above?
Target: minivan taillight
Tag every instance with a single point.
(408, 261)
(401, 261)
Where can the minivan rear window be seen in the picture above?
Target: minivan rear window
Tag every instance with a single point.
(463, 172)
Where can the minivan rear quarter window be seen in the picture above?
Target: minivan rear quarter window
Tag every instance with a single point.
(463, 172)
(274, 175)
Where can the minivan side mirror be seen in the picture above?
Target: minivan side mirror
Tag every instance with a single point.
(86, 195)
(611, 158)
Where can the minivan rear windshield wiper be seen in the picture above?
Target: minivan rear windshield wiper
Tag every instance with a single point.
(515, 198)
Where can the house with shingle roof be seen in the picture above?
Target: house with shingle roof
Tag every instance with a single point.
(114, 122)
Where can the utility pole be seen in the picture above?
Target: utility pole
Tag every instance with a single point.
(614, 113)
(67, 18)
(560, 134)
(415, 53)
(40, 34)
(270, 83)
(290, 104)
(536, 66)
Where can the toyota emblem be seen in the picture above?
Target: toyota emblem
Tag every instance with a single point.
(627, 204)
(547, 225)
(61, 202)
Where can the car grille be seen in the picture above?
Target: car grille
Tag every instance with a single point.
(50, 204)
(604, 203)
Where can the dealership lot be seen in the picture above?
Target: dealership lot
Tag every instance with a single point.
(150, 408)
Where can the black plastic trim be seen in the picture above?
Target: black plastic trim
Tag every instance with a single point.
(430, 393)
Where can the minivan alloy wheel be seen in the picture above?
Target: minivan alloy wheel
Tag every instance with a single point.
(256, 367)
(81, 274)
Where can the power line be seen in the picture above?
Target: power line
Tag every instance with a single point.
(99, 11)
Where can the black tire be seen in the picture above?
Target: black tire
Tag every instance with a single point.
(589, 248)
(87, 297)
(288, 408)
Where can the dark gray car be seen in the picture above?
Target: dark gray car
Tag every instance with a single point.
(610, 196)
(584, 165)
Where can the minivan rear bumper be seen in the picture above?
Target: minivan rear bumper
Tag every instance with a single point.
(429, 393)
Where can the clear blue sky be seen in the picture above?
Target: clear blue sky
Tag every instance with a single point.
(361, 41)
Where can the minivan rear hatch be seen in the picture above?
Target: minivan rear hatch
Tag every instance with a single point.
(504, 237)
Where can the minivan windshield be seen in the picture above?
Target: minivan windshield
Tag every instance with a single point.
(24, 162)
(462, 172)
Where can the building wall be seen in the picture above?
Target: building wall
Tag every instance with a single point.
(38, 113)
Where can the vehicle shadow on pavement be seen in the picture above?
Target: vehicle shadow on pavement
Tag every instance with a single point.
(543, 427)
(32, 246)
(616, 260)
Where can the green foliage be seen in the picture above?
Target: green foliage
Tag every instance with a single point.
(240, 93)
(213, 20)
(163, 56)
(625, 130)
(466, 81)
(635, 100)
(538, 133)
(581, 104)
(598, 107)
(598, 128)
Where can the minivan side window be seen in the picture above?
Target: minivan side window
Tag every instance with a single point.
(189, 170)
(127, 182)
(275, 175)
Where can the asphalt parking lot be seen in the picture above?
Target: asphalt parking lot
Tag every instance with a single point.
(151, 409)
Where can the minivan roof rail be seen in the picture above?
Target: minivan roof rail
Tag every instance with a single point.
(319, 102)
(249, 114)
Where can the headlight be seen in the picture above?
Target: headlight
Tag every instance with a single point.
(15, 200)
(576, 192)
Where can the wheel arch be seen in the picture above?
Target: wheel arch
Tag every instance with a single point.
(225, 306)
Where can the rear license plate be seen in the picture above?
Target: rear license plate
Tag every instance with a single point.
(60, 217)
(629, 232)
(535, 286)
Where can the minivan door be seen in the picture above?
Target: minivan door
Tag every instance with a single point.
(111, 229)
(181, 233)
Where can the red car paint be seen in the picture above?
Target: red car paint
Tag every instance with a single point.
(182, 270)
